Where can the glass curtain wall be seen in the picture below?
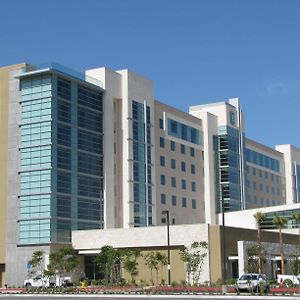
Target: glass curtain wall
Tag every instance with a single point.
(142, 168)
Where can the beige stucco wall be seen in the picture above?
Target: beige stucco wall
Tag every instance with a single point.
(177, 268)
(178, 213)
(4, 92)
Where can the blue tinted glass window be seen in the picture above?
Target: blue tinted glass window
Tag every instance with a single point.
(174, 200)
(89, 141)
(90, 98)
(193, 186)
(183, 184)
(90, 164)
(163, 198)
(194, 204)
(64, 111)
(173, 181)
(192, 151)
(161, 123)
(162, 179)
(90, 186)
(64, 135)
(162, 142)
(183, 166)
(64, 158)
(183, 202)
(172, 145)
(64, 182)
(88, 209)
(63, 206)
(64, 88)
(182, 149)
(162, 161)
(173, 163)
(193, 169)
(89, 119)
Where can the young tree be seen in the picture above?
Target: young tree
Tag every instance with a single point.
(64, 260)
(37, 262)
(130, 264)
(253, 262)
(194, 259)
(259, 217)
(151, 262)
(295, 264)
(279, 222)
(163, 261)
(106, 261)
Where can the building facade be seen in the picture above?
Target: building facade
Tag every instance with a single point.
(97, 151)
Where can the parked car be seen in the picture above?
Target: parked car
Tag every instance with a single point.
(39, 281)
(253, 282)
(293, 279)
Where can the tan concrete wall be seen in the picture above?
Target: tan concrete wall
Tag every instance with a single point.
(178, 213)
(215, 254)
(4, 95)
(177, 269)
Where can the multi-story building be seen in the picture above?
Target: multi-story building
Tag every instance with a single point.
(97, 151)
(179, 166)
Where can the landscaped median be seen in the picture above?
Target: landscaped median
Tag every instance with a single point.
(157, 290)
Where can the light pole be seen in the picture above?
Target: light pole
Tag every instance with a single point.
(166, 212)
(223, 236)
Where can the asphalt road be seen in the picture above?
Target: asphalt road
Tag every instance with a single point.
(141, 297)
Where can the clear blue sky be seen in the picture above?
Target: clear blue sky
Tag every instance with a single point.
(195, 51)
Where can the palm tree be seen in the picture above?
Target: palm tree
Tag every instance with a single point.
(259, 217)
(296, 217)
(279, 222)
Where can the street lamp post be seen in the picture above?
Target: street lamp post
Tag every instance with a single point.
(166, 212)
(223, 236)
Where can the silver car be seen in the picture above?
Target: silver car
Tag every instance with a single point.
(253, 282)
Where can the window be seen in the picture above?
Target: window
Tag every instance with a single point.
(161, 123)
(254, 185)
(193, 169)
(173, 163)
(194, 204)
(183, 202)
(172, 146)
(261, 187)
(193, 186)
(162, 179)
(174, 200)
(254, 171)
(272, 177)
(267, 188)
(266, 175)
(163, 220)
(163, 198)
(162, 142)
(64, 88)
(162, 161)
(260, 173)
(192, 151)
(183, 184)
(182, 149)
(173, 182)
(183, 166)
(89, 98)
